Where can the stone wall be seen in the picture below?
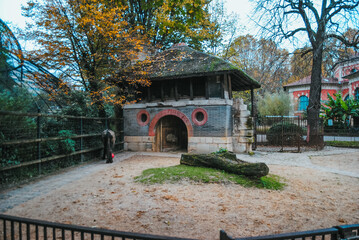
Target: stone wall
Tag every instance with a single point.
(225, 126)
(219, 122)
(243, 136)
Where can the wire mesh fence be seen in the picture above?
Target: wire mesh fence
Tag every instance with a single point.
(284, 133)
(33, 143)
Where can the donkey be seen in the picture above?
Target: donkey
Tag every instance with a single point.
(108, 138)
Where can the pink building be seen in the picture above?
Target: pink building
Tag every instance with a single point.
(346, 81)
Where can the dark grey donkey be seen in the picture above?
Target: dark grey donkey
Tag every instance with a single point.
(108, 138)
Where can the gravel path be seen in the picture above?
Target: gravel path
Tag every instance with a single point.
(42, 186)
(13, 197)
(305, 159)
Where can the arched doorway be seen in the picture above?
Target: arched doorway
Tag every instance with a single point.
(171, 134)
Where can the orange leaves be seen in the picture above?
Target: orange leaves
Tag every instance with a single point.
(87, 42)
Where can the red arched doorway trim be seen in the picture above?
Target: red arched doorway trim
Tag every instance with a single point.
(174, 112)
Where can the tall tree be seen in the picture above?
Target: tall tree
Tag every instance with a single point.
(319, 21)
(261, 59)
(166, 22)
(85, 42)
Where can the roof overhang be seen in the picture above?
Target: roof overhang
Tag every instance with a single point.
(240, 80)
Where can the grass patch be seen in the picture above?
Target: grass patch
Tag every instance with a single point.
(179, 173)
(348, 144)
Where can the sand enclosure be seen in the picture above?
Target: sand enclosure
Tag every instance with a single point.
(109, 198)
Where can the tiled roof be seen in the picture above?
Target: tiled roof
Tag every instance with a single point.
(307, 80)
(181, 61)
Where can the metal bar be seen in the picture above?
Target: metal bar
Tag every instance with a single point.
(38, 119)
(20, 231)
(36, 140)
(81, 139)
(4, 226)
(27, 231)
(36, 232)
(50, 158)
(12, 230)
(46, 115)
(45, 232)
(53, 233)
(73, 228)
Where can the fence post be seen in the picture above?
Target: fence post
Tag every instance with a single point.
(299, 135)
(81, 139)
(255, 117)
(38, 126)
(282, 120)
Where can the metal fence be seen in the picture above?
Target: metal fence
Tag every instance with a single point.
(347, 232)
(33, 143)
(30, 229)
(24, 228)
(289, 133)
(285, 132)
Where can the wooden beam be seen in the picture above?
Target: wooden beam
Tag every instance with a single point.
(162, 93)
(230, 87)
(222, 85)
(252, 103)
(148, 94)
(176, 91)
(206, 88)
(191, 89)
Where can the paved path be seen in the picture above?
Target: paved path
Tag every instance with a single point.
(301, 159)
(13, 197)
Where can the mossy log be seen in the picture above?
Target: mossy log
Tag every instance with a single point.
(217, 161)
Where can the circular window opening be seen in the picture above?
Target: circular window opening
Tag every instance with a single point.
(199, 116)
(143, 117)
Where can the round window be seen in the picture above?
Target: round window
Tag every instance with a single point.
(143, 117)
(199, 116)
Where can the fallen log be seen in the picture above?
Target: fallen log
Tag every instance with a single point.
(224, 163)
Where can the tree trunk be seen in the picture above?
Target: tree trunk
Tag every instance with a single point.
(315, 138)
(216, 161)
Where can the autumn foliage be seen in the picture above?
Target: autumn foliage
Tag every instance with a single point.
(85, 42)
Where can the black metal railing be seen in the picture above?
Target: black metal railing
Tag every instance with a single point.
(281, 131)
(347, 232)
(12, 228)
(23, 228)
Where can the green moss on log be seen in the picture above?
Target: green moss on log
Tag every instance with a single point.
(229, 165)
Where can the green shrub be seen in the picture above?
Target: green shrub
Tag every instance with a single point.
(274, 104)
(286, 133)
(66, 145)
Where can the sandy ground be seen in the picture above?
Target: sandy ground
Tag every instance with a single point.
(322, 191)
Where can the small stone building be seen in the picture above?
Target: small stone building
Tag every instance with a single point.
(189, 105)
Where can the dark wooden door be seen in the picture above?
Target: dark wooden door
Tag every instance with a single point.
(172, 134)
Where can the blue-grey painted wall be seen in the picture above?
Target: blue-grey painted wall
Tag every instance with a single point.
(219, 123)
